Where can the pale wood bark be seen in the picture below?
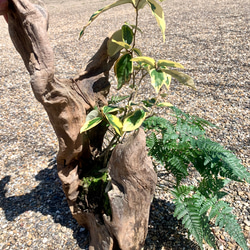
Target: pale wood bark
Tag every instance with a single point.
(67, 102)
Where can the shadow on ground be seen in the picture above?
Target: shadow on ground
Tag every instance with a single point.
(165, 231)
(48, 198)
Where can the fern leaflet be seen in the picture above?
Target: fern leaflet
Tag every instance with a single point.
(190, 214)
(116, 99)
(224, 218)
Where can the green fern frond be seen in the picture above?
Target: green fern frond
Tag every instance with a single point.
(212, 186)
(207, 205)
(225, 219)
(231, 164)
(189, 213)
(178, 168)
(116, 99)
(204, 204)
(207, 233)
(175, 145)
(170, 135)
(191, 119)
(182, 191)
(189, 130)
(155, 122)
(151, 140)
(221, 161)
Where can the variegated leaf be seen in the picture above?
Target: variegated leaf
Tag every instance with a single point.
(123, 69)
(97, 13)
(158, 78)
(181, 77)
(134, 120)
(115, 122)
(145, 60)
(113, 48)
(159, 15)
(167, 63)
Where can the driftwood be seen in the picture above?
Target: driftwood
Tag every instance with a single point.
(67, 102)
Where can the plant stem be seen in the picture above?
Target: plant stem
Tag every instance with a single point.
(106, 151)
(136, 24)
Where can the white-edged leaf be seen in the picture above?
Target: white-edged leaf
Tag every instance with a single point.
(165, 104)
(181, 77)
(167, 63)
(123, 69)
(97, 13)
(159, 15)
(145, 60)
(134, 120)
(122, 44)
(133, 26)
(158, 78)
(115, 122)
(113, 48)
(92, 114)
(109, 109)
(90, 124)
(137, 51)
(127, 34)
(139, 4)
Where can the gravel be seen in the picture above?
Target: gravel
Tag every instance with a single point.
(210, 38)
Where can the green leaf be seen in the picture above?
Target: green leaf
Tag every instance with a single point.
(133, 26)
(97, 13)
(140, 5)
(159, 15)
(123, 69)
(150, 102)
(113, 48)
(145, 60)
(158, 78)
(122, 44)
(167, 63)
(165, 104)
(90, 124)
(115, 122)
(134, 120)
(127, 34)
(109, 109)
(137, 51)
(92, 114)
(180, 77)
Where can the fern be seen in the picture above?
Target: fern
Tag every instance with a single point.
(188, 207)
(187, 210)
(193, 210)
(183, 143)
(218, 160)
(207, 233)
(225, 219)
(210, 187)
(117, 99)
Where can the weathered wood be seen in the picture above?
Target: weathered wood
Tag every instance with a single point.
(133, 184)
(67, 102)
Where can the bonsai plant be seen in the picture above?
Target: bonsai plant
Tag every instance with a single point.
(107, 177)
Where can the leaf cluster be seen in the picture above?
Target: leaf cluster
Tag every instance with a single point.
(131, 68)
(182, 144)
(178, 145)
